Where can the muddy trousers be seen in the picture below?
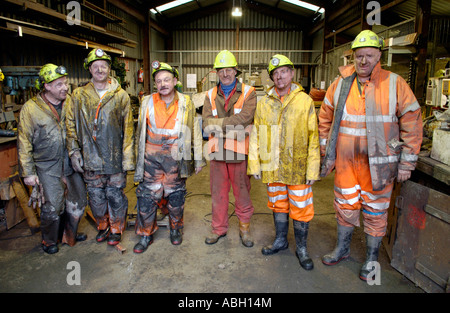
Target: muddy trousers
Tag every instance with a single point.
(52, 208)
(161, 181)
(76, 201)
(107, 201)
(222, 176)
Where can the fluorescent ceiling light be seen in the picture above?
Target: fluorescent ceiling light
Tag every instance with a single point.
(236, 12)
(169, 5)
(306, 5)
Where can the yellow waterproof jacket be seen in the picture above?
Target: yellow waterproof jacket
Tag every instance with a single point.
(284, 143)
(41, 140)
(110, 149)
(189, 143)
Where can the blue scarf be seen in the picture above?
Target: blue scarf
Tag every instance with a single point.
(227, 88)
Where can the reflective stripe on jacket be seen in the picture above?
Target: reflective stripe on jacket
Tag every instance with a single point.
(393, 123)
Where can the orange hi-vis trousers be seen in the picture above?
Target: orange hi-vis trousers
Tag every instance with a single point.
(297, 200)
(352, 181)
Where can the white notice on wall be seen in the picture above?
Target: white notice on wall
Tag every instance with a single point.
(191, 81)
(322, 85)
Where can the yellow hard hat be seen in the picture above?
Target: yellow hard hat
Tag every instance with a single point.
(50, 72)
(94, 55)
(225, 59)
(367, 38)
(161, 66)
(278, 60)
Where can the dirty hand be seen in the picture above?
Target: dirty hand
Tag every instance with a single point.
(77, 162)
(37, 196)
(403, 175)
(31, 180)
(213, 129)
(198, 169)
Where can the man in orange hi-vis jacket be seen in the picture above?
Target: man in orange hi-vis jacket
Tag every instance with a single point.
(168, 151)
(227, 116)
(370, 131)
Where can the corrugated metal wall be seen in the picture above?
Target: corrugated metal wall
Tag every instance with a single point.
(196, 44)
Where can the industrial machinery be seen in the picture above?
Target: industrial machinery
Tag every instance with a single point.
(438, 92)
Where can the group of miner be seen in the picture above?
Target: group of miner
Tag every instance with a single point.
(75, 150)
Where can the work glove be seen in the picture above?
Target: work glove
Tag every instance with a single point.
(31, 180)
(310, 182)
(403, 175)
(37, 196)
(77, 161)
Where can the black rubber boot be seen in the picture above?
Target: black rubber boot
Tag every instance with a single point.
(372, 249)
(81, 237)
(102, 235)
(281, 221)
(114, 239)
(176, 237)
(342, 250)
(52, 249)
(143, 244)
(301, 236)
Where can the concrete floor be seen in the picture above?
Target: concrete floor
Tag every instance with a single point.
(193, 266)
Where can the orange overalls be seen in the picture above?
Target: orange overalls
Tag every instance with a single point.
(161, 170)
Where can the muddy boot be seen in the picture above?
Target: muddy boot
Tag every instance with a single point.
(301, 235)
(176, 237)
(102, 234)
(342, 250)
(114, 239)
(80, 237)
(212, 238)
(52, 249)
(372, 246)
(143, 244)
(281, 221)
(244, 234)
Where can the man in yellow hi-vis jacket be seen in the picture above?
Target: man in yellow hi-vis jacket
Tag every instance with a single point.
(284, 152)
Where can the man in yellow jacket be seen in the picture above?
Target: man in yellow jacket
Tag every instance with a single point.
(44, 160)
(169, 149)
(100, 140)
(284, 153)
(370, 132)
